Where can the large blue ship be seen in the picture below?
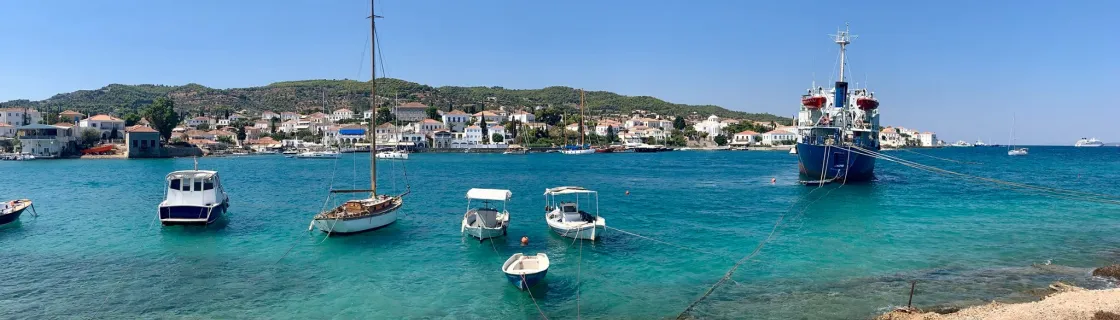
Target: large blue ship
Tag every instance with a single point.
(838, 129)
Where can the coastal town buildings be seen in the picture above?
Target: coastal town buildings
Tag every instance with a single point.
(889, 138)
(269, 115)
(197, 121)
(7, 130)
(412, 111)
(106, 124)
(19, 116)
(341, 114)
(928, 139)
(522, 116)
(70, 116)
(745, 138)
(490, 116)
(142, 142)
(46, 141)
(456, 120)
(780, 136)
(712, 126)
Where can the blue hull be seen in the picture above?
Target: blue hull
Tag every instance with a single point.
(8, 218)
(530, 280)
(191, 212)
(818, 162)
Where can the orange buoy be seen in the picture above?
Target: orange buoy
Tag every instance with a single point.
(524, 240)
(627, 192)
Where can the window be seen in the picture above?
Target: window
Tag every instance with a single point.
(208, 184)
(186, 185)
(197, 185)
(133, 143)
(176, 184)
(143, 143)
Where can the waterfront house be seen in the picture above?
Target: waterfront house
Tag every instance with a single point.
(323, 118)
(269, 115)
(288, 126)
(106, 124)
(46, 141)
(889, 137)
(7, 130)
(473, 134)
(629, 138)
(712, 126)
(522, 116)
(928, 139)
(198, 121)
(367, 114)
(199, 135)
(252, 133)
(351, 134)
(223, 122)
(601, 127)
(19, 116)
(287, 115)
(387, 132)
(456, 120)
(744, 139)
(441, 139)
(499, 130)
(70, 116)
(412, 111)
(218, 134)
(490, 116)
(779, 136)
(142, 142)
(341, 114)
(236, 117)
(427, 126)
(262, 124)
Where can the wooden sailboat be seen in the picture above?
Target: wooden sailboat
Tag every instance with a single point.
(582, 149)
(378, 210)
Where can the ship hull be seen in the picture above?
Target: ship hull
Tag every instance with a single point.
(825, 163)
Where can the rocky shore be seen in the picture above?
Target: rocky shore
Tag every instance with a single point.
(1064, 302)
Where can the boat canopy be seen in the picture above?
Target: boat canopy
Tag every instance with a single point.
(197, 174)
(489, 194)
(566, 190)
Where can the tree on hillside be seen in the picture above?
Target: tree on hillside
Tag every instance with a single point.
(131, 119)
(433, 113)
(612, 136)
(485, 129)
(384, 115)
(549, 115)
(511, 128)
(240, 126)
(272, 125)
(720, 140)
(161, 114)
(471, 109)
(449, 106)
(678, 123)
(203, 126)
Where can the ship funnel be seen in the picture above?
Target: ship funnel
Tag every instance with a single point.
(841, 94)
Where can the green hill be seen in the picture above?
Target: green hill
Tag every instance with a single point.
(309, 95)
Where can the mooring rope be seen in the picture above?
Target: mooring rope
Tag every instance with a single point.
(523, 282)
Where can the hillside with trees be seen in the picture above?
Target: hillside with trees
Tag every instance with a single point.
(325, 95)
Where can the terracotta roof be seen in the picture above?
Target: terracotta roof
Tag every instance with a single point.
(431, 121)
(202, 141)
(196, 133)
(318, 115)
(474, 127)
(4, 125)
(889, 130)
(64, 124)
(202, 118)
(457, 112)
(70, 113)
(386, 125)
(344, 110)
(485, 113)
(219, 133)
(265, 140)
(139, 128)
(748, 132)
(103, 117)
(413, 105)
(778, 131)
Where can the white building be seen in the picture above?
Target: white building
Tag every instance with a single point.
(473, 134)
(106, 124)
(889, 137)
(387, 132)
(927, 139)
(412, 111)
(427, 126)
(15, 116)
(263, 125)
(269, 115)
(7, 130)
(497, 129)
(712, 126)
(779, 136)
(601, 127)
(285, 116)
(744, 138)
(522, 116)
(456, 120)
(288, 127)
(46, 141)
(490, 116)
(341, 114)
(367, 114)
(192, 122)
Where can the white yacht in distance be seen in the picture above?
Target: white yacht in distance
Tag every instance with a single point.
(1091, 142)
(962, 143)
(980, 143)
(193, 197)
(319, 155)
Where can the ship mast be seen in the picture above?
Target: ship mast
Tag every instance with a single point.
(373, 103)
(580, 129)
(843, 38)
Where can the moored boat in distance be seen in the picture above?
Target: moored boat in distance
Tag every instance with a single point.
(318, 155)
(567, 219)
(11, 210)
(193, 197)
(516, 149)
(582, 148)
(1017, 152)
(392, 155)
(838, 129)
(524, 271)
(962, 143)
(980, 143)
(1091, 142)
(486, 222)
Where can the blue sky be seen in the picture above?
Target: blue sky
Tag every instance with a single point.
(958, 68)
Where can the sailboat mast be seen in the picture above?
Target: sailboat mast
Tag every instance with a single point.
(373, 102)
(580, 129)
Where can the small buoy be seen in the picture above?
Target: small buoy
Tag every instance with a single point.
(627, 192)
(773, 180)
(524, 240)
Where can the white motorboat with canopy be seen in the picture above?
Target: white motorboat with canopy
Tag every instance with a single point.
(484, 222)
(193, 197)
(566, 216)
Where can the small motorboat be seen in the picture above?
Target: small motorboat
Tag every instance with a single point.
(192, 197)
(524, 271)
(567, 219)
(485, 222)
(319, 155)
(577, 151)
(793, 150)
(516, 149)
(1017, 152)
(10, 211)
(392, 155)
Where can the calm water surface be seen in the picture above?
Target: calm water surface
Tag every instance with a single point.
(849, 251)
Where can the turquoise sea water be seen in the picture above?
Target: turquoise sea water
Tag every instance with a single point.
(841, 252)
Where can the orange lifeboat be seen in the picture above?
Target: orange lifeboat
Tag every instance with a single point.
(813, 102)
(103, 149)
(867, 103)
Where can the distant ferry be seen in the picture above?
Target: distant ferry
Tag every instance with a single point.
(1091, 142)
(980, 143)
(962, 143)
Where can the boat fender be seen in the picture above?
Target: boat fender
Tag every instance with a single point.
(773, 180)
(627, 192)
(524, 240)
(311, 225)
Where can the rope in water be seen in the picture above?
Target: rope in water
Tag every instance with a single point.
(671, 244)
(940, 158)
(758, 248)
(1047, 191)
(523, 282)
